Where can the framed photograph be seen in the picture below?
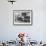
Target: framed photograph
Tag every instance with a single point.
(22, 17)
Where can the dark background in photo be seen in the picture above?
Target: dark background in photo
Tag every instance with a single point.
(23, 17)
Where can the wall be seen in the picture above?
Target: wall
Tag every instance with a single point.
(37, 31)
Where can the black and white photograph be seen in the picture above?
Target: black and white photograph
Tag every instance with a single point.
(22, 16)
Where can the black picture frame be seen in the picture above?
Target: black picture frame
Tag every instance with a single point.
(22, 17)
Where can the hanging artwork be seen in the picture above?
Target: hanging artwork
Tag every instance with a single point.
(22, 17)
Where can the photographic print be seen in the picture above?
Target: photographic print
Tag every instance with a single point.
(22, 17)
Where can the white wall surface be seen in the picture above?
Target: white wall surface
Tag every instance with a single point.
(9, 32)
